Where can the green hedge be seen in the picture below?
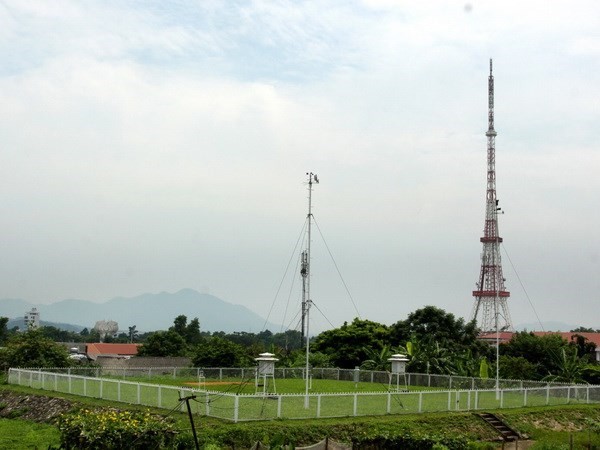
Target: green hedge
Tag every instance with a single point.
(110, 429)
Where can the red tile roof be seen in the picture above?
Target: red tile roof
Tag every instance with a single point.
(94, 350)
(505, 336)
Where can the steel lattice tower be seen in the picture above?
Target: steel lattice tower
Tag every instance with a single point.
(491, 309)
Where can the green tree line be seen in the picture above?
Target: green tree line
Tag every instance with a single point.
(434, 341)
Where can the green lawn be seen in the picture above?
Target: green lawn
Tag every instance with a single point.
(23, 434)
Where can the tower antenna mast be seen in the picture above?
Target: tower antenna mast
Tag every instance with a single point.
(491, 308)
(305, 273)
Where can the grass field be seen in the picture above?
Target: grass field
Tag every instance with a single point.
(23, 434)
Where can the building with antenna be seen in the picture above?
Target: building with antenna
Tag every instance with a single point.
(491, 308)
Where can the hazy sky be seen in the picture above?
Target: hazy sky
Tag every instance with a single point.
(151, 145)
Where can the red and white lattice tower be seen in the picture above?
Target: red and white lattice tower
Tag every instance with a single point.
(491, 309)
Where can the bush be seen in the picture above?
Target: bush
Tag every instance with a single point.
(109, 429)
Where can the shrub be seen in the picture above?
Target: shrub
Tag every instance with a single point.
(108, 429)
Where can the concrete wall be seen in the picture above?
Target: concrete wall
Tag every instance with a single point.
(144, 361)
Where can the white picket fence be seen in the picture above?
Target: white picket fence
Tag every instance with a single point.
(355, 375)
(244, 407)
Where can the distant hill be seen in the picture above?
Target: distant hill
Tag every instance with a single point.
(20, 322)
(148, 312)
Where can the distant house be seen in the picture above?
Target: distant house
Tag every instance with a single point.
(124, 351)
(569, 336)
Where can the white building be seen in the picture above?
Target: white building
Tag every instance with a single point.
(32, 319)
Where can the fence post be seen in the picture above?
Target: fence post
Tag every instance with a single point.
(174, 373)
(56, 383)
(476, 400)
(450, 382)
(389, 402)
(472, 383)
(279, 406)
(318, 405)
(119, 390)
(420, 401)
(501, 398)
(221, 374)
(207, 404)
(355, 404)
(587, 395)
(236, 408)
(568, 394)
(338, 374)
(30, 378)
(468, 400)
(428, 380)
(547, 394)
(70, 384)
(525, 397)
(449, 400)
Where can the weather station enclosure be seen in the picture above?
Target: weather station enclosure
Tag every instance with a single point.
(266, 369)
(398, 362)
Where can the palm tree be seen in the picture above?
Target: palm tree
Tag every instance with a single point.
(133, 333)
(377, 360)
(570, 367)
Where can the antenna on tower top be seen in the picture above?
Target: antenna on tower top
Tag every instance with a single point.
(490, 66)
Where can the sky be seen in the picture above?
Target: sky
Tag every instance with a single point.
(151, 146)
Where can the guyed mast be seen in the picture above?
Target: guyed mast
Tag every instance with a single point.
(305, 273)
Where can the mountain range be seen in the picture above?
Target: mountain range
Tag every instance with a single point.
(148, 312)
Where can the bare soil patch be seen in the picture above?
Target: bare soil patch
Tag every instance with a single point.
(37, 408)
(213, 383)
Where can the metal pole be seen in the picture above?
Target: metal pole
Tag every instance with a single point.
(189, 409)
(311, 178)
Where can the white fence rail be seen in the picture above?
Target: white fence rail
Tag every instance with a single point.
(245, 373)
(244, 407)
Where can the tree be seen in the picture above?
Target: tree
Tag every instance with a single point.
(133, 333)
(220, 352)
(570, 367)
(163, 343)
(584, 330)
(428, 356)
(585, 348)
(33, 349)
(288, 341)
(179, 325)
(3, 330)
(192, 332)
(517, 368)
(544, 352)
(346, 345)
(378, 360)
(436, 325)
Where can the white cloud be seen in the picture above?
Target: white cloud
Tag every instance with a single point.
(165, 146)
